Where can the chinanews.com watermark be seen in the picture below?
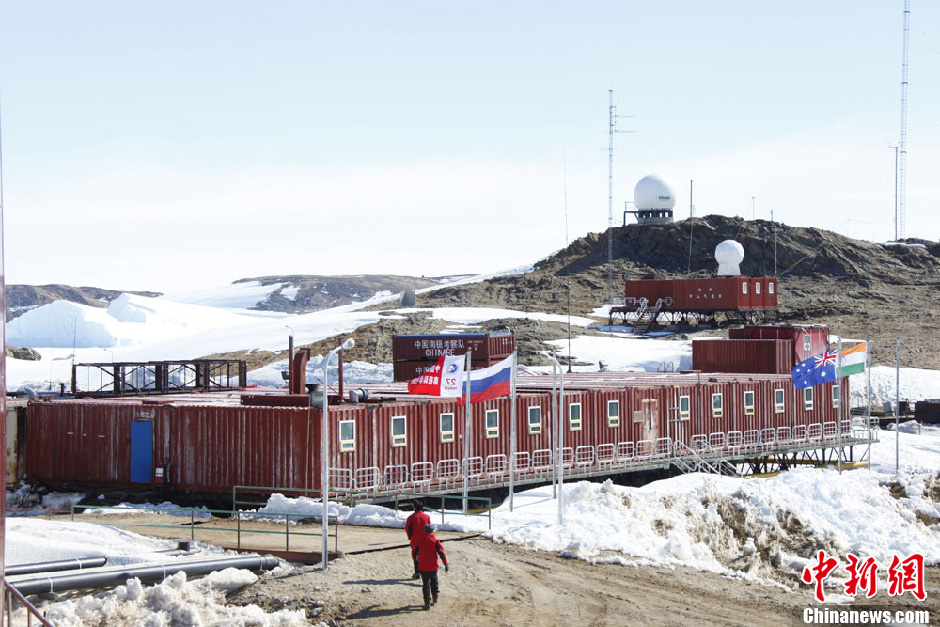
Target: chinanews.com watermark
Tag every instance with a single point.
(903, 575)
(826, 616)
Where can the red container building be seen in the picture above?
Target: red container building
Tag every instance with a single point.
(735, 298)
(413, 355)
(743, 356)
(807, 340)
(720, 293)
(723, 293)
(610, 422)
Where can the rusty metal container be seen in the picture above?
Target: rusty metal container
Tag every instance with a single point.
(743, 356)
(808, 340)
(712, 294)
(650, 289)
(720, 293)
(483, 346)
(208, 446)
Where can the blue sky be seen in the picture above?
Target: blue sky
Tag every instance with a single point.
(176, 145)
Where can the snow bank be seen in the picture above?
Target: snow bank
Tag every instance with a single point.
(628, 353)
(354, 372)
(37, 540)
(916, 384)
(129, 320)
(175, 601)
(64, 325)
(242, 295)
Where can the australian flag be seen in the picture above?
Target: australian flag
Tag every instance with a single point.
(815, 370)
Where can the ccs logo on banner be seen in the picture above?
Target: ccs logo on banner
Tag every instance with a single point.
(452, 378)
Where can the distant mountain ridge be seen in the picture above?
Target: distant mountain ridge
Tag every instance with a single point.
(864, 290)
(293, 293)
(22, 298)
(302, 293)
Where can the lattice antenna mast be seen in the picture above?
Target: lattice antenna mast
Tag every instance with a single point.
(610, 194)
(902, 144)
(610, 198)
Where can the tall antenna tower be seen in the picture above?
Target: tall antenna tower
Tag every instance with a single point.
(610, 194)
(902, 144)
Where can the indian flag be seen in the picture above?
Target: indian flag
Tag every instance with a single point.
(853, 360)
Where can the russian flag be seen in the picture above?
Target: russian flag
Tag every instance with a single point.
(491, 382)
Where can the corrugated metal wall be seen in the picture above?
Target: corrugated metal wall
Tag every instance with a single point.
(807, 340)
(212, 448)
(743, 356)
(706, 294)
(209, 448)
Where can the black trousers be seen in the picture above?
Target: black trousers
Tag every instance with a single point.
(429, 585)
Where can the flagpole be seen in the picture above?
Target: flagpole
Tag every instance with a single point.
(512, 430)
(555, 426)
(839, 404)
(466, 434)
(561, 445)
(868, 397)
(897, 412)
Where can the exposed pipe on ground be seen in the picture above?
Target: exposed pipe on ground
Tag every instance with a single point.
(77, 563)
(146, 574)
(80, 563)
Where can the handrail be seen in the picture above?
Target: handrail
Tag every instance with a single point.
(10, 593)
(699, 462)
(707, 455)
(352, 496)
(239, 515)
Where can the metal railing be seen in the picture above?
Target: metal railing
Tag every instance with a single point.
(423, 478)
(395, 495)
(10, 593)
(238, 515)
(585, 461)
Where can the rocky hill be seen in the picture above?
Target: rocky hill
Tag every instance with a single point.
(860, 289)
(21, 298)
(302, 293)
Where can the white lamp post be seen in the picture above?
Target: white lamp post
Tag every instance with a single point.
(325, 449)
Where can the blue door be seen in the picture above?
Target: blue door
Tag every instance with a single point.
(141, 452)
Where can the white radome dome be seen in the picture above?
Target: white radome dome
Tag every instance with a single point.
(729, 254)
(654, 192)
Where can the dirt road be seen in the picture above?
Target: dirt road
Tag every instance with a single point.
(499, 584)
(495, 584)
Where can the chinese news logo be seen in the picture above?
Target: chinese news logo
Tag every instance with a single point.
(903, 575)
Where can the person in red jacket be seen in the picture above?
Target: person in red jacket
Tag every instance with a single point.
(427, 552)
(414, 527)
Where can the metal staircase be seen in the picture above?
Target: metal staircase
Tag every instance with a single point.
(689, 460)
(735, 318)
(646, 316)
